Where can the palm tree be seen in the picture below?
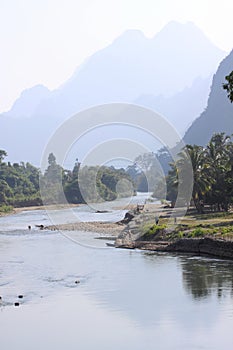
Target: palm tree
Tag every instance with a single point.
(219, 152)
(201, 174)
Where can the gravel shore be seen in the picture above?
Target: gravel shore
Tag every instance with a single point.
(108, 228)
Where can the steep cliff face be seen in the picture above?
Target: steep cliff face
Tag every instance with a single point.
(218, 116)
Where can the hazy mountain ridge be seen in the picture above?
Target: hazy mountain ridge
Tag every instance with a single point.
(165, 66)
(134, 65)
(218, 116)
(182, 108)
(28, 101)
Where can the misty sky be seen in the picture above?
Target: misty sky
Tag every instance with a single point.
(42, 42)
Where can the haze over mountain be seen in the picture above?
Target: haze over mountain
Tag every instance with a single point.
(174, 67)
(218, 116)
(180, 109)
(28, 101)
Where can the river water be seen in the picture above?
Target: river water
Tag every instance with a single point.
(125, 299)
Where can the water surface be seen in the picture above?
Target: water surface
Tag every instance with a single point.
(125, 299)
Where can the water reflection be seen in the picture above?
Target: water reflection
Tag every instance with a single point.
(203, 278)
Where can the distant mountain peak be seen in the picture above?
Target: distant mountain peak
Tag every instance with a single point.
(28, 101)
(129, 39)
(131, 34)
(184, 31)
(181, 26)
(131, 66)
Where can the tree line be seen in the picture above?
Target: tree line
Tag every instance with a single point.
(212, 169)
(212, 174)
(22, 184)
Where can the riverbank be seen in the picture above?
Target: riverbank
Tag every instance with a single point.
(17, 210)
(219, 248)
(105, 228)
(116, 229)
(207, 234)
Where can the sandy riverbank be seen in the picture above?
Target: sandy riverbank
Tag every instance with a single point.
(40, 207)
(109, 228)
(106, 228)
(47, 207)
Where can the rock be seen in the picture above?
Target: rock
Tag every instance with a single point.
(128, 217)
(215, 247)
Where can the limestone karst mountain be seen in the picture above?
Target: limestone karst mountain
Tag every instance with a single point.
(218, 115)
(166, 67)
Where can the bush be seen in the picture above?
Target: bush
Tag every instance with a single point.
(198, 232)
(152, 231)
(180, 234)
(225, 230)
(6, 209)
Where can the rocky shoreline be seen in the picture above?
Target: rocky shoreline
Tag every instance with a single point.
(199, 246)
(214, 247)
(127, 235)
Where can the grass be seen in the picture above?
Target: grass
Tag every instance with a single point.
(218, 225)
(152, 232)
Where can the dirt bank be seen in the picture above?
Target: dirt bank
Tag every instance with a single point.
(200, 246)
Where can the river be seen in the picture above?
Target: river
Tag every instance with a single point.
(125, 299)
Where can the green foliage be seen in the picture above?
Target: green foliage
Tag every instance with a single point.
(212, 174)
(227, 229)
(197, 232)
(152, 232)
(6, 209)
(180, 234)
(229, 86)
(3, 154)
(19, 183)
(148, 170)
(22, 184)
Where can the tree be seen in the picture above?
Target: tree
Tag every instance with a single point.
(51, 159)
(52, 181)
(3, 154)
(201, 178)
(150, 171)
(219, 152)
(201, 175)
(212, 173)
(229, 86)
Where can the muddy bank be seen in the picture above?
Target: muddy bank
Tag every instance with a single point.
(200, 246)
(216, 247)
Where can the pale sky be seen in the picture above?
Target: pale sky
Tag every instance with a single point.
(43, 41)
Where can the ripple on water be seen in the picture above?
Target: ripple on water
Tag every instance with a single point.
(70, 281)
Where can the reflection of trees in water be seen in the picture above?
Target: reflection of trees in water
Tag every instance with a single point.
(202, 278)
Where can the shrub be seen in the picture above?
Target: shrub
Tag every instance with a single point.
(198, 232)
(6, 209)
